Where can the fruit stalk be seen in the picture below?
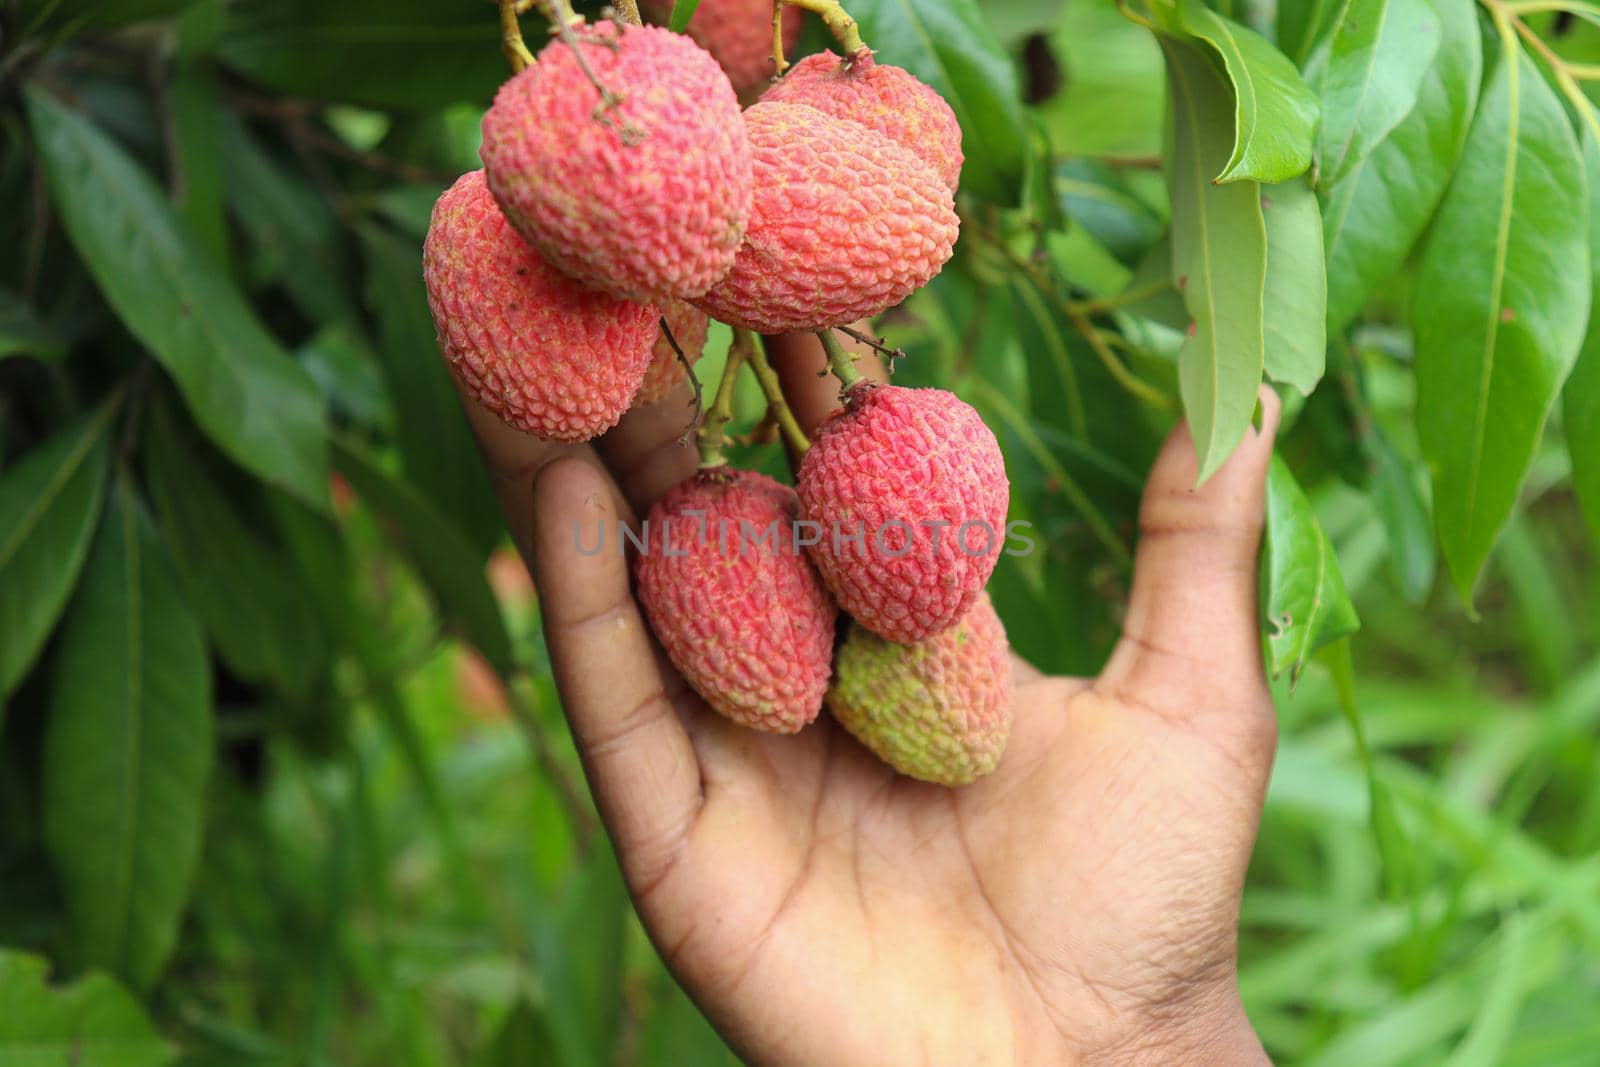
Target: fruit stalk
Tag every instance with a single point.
(835, 17)
(712, 436)
(777, 405)
(628, 11)
(779, 63)
(840, 362)
(511, 42)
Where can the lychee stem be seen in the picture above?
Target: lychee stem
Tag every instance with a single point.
(780, 64)
(840, 362)
(628, 11)
(511, 41)
(713, 435)
(777, 405)
(836, 18)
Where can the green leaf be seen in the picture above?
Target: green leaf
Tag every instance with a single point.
(242, 387)
(241, 586)
(295, 237)
(195, 106)
(682, 12)
(1307, 606)
(127, 751)
(92, 1022)
(578, 945)
(1380, 55)
(1219, 261)
(1394, 846)
(436, 446)
(1373, 216)
(676, 1032)
(48, 506)
(524, 1038)
(368, 51)
(1400, 505)
(441, 553)
(1581, 397)
(74, 15)
(1296, 290)
(947, 44)
(1502, 297)
(1103, 202)
(21, 332)
(1275, 115)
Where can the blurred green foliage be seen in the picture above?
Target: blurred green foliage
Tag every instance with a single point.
(283, 776)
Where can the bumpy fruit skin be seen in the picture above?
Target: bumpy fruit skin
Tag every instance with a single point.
(688, 325)
(884, 98)
(939, 710)
(750, 630)
(647, 199)
(547, 355)
(845, 224)
(894, 464)
(738, 33)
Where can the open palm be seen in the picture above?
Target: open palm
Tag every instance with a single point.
(1078, 905)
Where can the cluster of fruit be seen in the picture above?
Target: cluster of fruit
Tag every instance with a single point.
(625, 197)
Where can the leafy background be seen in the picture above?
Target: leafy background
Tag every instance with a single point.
(283, 779)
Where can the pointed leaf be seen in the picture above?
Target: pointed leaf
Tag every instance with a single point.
(92, 1021)
(1307, 606)
(127, 751)
(1502, 297)
(1379, 57)
(1295, 305)
(1581, 397)
(243, 388)
(1219, 260)
(240, 586)
(48, 505)
(949, 45)
(1374, 215)
(1275, 115)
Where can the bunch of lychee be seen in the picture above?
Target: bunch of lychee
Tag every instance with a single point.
(624, 199)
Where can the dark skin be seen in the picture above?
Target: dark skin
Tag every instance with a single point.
(1079, 905)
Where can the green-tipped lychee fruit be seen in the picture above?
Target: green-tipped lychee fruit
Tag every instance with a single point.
(938, 710)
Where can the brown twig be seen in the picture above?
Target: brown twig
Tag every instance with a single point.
(688, 370)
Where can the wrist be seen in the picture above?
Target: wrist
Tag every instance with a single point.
(1214, 1031)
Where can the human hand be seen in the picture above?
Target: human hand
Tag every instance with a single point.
(1079, 905)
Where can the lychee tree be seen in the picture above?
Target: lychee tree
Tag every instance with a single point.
(243, 520)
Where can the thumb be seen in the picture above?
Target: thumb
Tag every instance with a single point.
(1191, 644)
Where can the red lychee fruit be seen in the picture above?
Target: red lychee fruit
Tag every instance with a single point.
(909, 489)
(939, 710)
(844, 224)
(644, 196)
(547, 355)
(736, 604)
(881, 97)
(689, 326)
(738, 33)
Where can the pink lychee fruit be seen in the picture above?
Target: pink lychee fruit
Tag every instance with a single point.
(939, 710)
(909, 493)
(644, 194)
(734, 601)
(738, 33)
(549, 356)
(881, 97)
(844, 224)
(689, 326)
